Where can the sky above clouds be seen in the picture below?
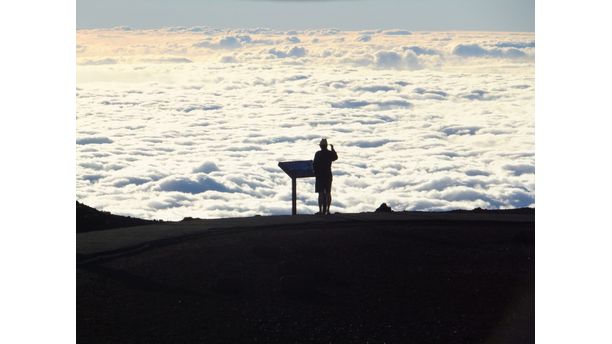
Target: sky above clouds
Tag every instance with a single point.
(193, 120)
(433, 15)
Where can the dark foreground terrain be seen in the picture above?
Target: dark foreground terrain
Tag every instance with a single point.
(377, 278)
(90, 219)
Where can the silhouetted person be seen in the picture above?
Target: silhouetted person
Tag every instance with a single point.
(322, 170)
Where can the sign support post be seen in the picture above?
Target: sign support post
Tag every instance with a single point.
(293, 196)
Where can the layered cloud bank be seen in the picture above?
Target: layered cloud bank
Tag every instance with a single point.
(193, 121)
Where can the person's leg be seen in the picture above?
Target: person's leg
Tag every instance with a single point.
(328, 197)
(325, 206)
(321, 208)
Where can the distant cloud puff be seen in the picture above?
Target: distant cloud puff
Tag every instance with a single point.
(393, 104)
(461, 130)
(92, 165)
(200, 107)
(296, 77)
(479, 95)
(293, 39)
(388, 59)
(107, 61)
(421, 90)
(518, 170)
(201, 29)
(438, 184)
(206, 167)
(475, 50)
(228, 59)
(170, 201)
(518, 45)
(475, 172)
(421, 51)
(383, 105)
(281, 139)
(293, 52)
(169, 60)
(397, 33)
(130, 180)
(93, 140)
(368, 143)
(466, 194)
(430, 94)
(375, 88)
(393, 60)
(325, 32)
(350, 104)
(228, 42)
(192, 186)
(92, 178)
(470, 50)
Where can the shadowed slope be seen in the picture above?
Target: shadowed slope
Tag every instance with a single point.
(90, 219)
(413, 278)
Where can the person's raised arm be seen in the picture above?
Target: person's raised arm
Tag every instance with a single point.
(334, 154)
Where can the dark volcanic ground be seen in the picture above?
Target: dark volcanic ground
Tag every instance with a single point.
(404, 281)
(90, 219)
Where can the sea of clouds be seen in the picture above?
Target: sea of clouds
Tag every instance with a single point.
(181, 122)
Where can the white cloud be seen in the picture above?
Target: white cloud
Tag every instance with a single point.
(206, 167)
(376, 88)
(397, 33)
(421, 51)
(92, 165)
(293, 52)
(168, 60)
(201, 107)
(438, 184)
(99, 62)
(92, 178)
(430, 94)
(228, 59)
(518, 170)
(387, 104)
(475, 50)
(474, 172)
(368, 143)
(93, 140)
(130, 180)
(191, 185)
(228, 42)
(293, 39)
(518, 45)
(479, 95)
(170, 200)
(394, 60)
(416, 126)
(460, 130)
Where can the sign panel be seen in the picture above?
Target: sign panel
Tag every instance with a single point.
(297, 169)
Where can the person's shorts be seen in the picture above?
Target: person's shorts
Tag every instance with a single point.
(323, 183)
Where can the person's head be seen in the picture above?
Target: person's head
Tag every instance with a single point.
(323, 144)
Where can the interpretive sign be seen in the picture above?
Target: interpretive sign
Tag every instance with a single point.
(296, 169)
